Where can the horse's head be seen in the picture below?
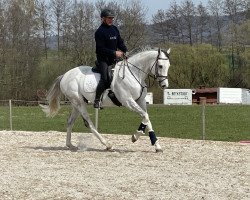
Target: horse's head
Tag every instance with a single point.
(161, 67)
(150, 61)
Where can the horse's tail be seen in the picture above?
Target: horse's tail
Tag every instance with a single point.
(53, 98)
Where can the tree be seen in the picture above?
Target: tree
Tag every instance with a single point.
(160, 25)
(133, 24)
(23, 47)
(81, 33)
(188, 13)
(234, 9)
(202, 21)
(3, 51)
(44, 23)
(239, 58)
(198, 65)
(215, 8)
(60, 10)
(175, 23)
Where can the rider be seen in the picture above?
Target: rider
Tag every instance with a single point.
(109, 46)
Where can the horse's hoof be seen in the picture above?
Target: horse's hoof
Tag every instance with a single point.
(133, 139)
(110, 150)
(72, 147)
(109, 147)
(158, 148)
(159, 151)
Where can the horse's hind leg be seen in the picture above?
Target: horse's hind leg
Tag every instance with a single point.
(82, 109)
(91, 126)
(72, 118)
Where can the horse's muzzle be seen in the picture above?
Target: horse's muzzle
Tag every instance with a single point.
(163, 84)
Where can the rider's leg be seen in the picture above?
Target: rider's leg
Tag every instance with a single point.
(103, 83)
(99, 90)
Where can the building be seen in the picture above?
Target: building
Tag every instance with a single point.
(209, 93)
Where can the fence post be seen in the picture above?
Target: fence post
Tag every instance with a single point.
(96, 118)
(203, 117)
(10, 105)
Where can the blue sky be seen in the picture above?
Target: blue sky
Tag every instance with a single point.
(155, 5)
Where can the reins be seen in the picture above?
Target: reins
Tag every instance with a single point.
(127, 63)
(148, 75)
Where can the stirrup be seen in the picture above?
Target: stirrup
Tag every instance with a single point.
(97, 104)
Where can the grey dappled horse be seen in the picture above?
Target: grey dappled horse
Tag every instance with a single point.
(128, 85)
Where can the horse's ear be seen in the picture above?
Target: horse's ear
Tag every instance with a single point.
(168, 51)
(159, 50)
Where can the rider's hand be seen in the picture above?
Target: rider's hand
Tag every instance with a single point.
(119, 54)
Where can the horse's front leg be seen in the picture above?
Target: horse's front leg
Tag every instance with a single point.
(153, 138)
(140, 131)
(146, 123)
(140, 107)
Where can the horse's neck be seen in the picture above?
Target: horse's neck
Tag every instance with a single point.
(142, 63)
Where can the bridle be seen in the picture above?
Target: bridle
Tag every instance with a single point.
(149, 74)
(156, 76)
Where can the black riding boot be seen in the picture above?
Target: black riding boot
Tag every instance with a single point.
(102, 85)
(99, 90)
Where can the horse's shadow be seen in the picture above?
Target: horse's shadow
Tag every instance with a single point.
(89, 149)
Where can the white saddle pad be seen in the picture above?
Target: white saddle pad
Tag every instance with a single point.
(91, 81)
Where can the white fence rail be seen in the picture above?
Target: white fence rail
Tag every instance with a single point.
(7, 106)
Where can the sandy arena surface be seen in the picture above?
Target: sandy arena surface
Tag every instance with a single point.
(39, 166)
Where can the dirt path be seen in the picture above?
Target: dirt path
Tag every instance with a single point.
(38, 166)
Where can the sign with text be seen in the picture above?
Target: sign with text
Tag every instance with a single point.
(177, 97)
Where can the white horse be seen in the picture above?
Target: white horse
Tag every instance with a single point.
(128, 84)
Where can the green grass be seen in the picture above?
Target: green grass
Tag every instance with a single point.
(223, 122)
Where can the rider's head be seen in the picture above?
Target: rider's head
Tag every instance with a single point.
(107, 16)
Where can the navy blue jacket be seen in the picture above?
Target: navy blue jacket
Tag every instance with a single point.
(108, 40)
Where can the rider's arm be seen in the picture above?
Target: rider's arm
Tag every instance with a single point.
(120, 43)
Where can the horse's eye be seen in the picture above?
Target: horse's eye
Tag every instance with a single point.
(160, 66)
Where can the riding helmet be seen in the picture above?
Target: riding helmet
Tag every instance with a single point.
(107, 13)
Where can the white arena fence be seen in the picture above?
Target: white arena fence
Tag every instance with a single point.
(9, 117)
(11, 110)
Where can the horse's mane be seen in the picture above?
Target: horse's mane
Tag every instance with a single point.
(139, 50)
(144, 48)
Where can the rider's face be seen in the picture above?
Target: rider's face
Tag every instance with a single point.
(108, 20)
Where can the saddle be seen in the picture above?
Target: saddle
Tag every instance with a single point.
(110, 71)
(111, 94)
